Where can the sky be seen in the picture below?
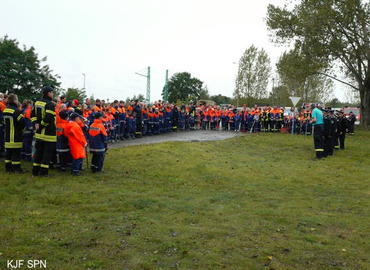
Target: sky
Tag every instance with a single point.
(111, 40)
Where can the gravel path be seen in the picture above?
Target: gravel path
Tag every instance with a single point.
(180, 136)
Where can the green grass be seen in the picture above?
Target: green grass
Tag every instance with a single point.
(252, 202)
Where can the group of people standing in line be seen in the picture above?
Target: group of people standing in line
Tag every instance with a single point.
(56, 132)
(329, 130)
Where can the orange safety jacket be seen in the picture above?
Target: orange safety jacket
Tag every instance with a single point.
(76, 140)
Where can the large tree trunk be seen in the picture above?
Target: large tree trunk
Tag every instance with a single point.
(365, 104)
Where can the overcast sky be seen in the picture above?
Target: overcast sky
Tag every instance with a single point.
(111, 40)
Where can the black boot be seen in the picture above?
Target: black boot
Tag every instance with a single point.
(93, 169)
(17, 169)
(8, 167)
(75, 173)
(35, 170)
(44, 171)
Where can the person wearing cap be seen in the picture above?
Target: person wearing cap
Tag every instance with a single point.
(97, 143)
(77, 143)
(43, 117)
(328, 136)
(351, 123)
(75, 104)
(341, 131)
(318, 127)
(14, 124)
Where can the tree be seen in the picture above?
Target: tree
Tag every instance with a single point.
(139, 97)
(22, 72)
(253, 74)
(220, 99)
(75, 93)
(280, 96)
(352, 97)
(300, 76)
(334, 103)
(183, 87)
(204, 93)
(334, 31)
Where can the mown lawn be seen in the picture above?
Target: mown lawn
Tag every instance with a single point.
(252, 202)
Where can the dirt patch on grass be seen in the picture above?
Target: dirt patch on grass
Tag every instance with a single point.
(180, 136)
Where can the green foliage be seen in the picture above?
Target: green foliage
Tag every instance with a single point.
(253, 74)
(184, 87)
(139, 97)
(204, 94)
(280, 96)
(75, 93)
(332, 32)
(336, 103)
(22, 72)
(250, 101)
(220, 99)
(214, 205)
(299, 77)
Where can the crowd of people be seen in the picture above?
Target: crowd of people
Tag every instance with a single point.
(329, 130)
(56, 132)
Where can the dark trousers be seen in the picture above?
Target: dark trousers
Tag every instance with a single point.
(97, 161)
(139, 127)
(351, 128)
(63, 158)
(342, 138)
(318, 139)
(13, 159)
(27, 147)
(77, 165)
(121, 129)
(328, 146)
(2, 142)
(44, 152)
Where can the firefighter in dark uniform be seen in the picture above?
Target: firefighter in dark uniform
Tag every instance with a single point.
(139, 119)
(328, 132)
(43, 117)
(175, 118)
(341, 130)
(14, 124)
(264, 123)
(351, 123)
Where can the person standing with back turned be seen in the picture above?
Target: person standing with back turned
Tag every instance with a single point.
(318, 127)
(14, 124)
(43, 116)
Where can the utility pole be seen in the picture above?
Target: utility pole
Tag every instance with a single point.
(165, 94)
(83, 74)
(147, 76)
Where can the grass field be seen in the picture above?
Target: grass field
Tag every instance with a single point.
(252, 202)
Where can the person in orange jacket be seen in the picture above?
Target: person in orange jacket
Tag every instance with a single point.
(77, 143)
(63, 151)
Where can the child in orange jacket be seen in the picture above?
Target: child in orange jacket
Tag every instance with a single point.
(77, 143)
